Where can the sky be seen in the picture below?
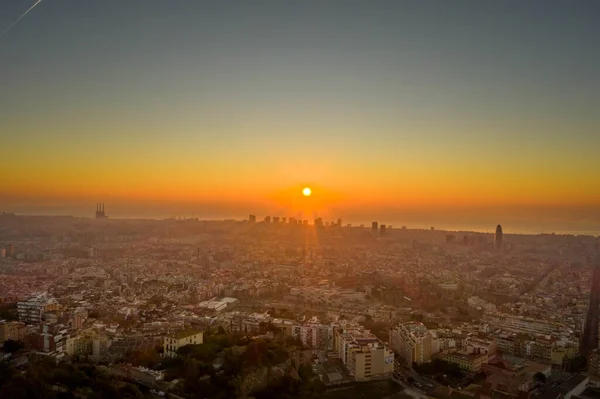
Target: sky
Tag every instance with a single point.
(438, 112)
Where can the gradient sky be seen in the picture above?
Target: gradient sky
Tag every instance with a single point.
(398, 106)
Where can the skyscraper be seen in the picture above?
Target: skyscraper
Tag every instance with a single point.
(589, 338)
(382, 230)
(498, 238)
(374, 227)
(252, 219)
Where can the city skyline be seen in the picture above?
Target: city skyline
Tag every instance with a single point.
(488, 112)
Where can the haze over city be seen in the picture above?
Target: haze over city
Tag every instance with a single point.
(460, 114)
(311, 199)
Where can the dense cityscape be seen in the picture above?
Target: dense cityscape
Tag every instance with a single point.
(301, 199)
(167, 307)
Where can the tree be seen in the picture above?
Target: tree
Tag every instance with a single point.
(11, 346)
(539, 377)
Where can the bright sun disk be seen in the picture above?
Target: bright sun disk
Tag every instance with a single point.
(306, 191)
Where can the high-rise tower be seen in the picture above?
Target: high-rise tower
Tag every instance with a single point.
(589, 338)
(498, 238)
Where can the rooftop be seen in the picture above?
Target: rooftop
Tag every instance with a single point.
(184, 333)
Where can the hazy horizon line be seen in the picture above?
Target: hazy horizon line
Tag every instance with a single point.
(467, 227)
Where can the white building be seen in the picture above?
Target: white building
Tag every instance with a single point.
(522, 324)
(32, 310)
(173, 342)
(314, 335)
(365, 356)
(411, 341)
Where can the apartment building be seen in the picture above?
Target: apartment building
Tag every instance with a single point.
(314, 335)
(411, 341)
(12, 330)
(364, 355)
(31, 310)
(521, 324)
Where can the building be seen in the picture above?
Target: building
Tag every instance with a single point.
(589, 338)
(32, 310)
(486, 346)
(369, 360)
(364, 355)
(276, 219)
(100, 346)
(521, 324)
(100, 214)
(252, 219)
(314, 335)
(267, 219)
(382, 230)
(78, 318)
(572, 387)
(593, 362)
(411, 341)
(469, 362)
(49, 338)
(498, 238)
(13, 330)
(374, 227)
(173, 342)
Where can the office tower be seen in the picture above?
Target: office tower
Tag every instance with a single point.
(374, 227)
(252, 219)
(589, 338)
(318, 222)
(339, 222)
(292, 220)
(305, 222)
(498, 238)
(275, 219)
(283, 219)
(267, 219)
(382, 230)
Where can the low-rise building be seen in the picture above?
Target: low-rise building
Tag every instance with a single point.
(174, 341)
(469, 362)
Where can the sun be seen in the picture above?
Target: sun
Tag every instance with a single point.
(306, 191)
